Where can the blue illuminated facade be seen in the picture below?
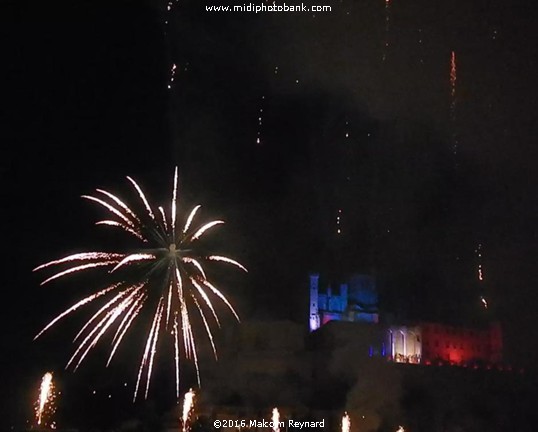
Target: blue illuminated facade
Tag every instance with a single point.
(355, 301)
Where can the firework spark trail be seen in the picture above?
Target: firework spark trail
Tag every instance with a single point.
(227, 260)
(188, 406)
(190, 218)
(116, 212)
(96, 328)
(125, 324)
(169, 304)
(173, 208)
(206, 300)
(45, 402)
(79, 268)
(202, 230)
(158, 316)
(122, 226)
(172, 76)
(346, 423)
(194, 354)
(453, 75)
(82, 257)
(120, 203)
(167, 258)
(480, 275)
(196, 264)
(112, 316)
(133, 258)
(420, 40)
(164, 223)
(176, 353)
(275, 418)
(206, 325)
(99, 312)
(453, 100)
(480, 272)
(259, 134)
(387, 29)
(221, 296)
(146, 351)
(142, 197)
(169, 7)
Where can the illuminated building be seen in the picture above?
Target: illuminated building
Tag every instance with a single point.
(356, 301)
(459, 345)
(417, 343)
(405, 344)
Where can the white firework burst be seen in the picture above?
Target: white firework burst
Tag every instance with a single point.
(165, 273)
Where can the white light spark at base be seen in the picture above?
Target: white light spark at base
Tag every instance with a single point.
(45, 403)
(188, 406)
(275, 418)
(346, 423)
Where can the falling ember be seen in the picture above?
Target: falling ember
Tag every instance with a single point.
(387, 29)
(172, 75)
(166, 274)
(346, 423)
(453, 74)
(453, 78)
(480, 271)
(45, 406)
(188, 406)
(260, 113)
(275, 418)
(420, 40)
(169, 7)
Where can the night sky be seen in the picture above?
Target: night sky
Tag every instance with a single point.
(86, 103)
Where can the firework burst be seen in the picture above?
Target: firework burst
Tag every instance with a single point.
(165, 274)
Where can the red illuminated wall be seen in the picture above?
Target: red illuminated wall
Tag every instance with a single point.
(461, 345)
